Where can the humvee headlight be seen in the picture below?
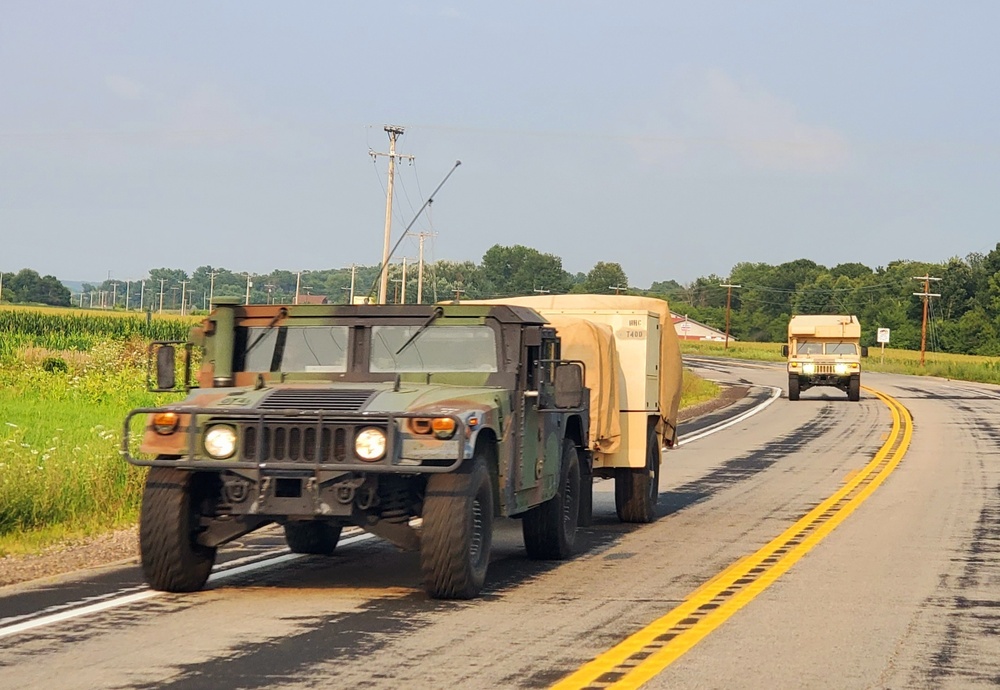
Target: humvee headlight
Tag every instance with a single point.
(840, 368)
(369, 444)
(220, 442)
(444, 427)
(165, 422)
(808, 368)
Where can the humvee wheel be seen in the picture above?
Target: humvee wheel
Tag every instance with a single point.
(793, 387)
(457, 531)
(550, 528)
(637, 489)
(172, 559)
(854, 389)
(317, 537)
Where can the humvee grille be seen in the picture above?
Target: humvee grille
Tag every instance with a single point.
(824, 368)
(318, 399)
(290, 442)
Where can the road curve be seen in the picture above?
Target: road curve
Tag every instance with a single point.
(808, 544)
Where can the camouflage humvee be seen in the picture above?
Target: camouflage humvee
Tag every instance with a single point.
(420, 424)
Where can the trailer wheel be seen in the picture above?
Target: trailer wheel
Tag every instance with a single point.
(457, 531)
(637, 490)
(317, 537)
(550, 528)
(172, 558)
(854, 389)
(793, 387)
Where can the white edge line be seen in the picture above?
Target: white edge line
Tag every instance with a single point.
(775, 394)
(150, 593)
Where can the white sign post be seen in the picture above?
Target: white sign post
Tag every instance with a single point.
(882, 336)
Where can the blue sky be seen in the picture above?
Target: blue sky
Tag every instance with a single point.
(675, 138)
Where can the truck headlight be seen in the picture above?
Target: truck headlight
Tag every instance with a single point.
(369, 444)
(220, 441)
(809, 368)
(840, 368)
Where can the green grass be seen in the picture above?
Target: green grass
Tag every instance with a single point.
(61, 474)
(696, 390)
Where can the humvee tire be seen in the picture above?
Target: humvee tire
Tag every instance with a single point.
(457, 531)
(793, 387)
(172, 559)
(637, 489)
(854, 389)
(316, 537)
(550, 528)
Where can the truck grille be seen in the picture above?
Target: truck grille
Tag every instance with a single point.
(824, 368)
(316, 399)
(297, 442)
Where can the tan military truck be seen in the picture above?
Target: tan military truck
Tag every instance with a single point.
(824, 350)
(632, 366)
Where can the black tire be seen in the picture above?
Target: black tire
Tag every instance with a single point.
(793, 387)
(854, 389)
(550, 528)
(172, 559)
(457, 531)
(637, 489)
(316, 537)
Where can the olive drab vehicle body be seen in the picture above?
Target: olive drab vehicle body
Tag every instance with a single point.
(417, 423)
(824, 350)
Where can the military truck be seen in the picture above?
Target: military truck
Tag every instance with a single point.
(419, 424)
(824, 350)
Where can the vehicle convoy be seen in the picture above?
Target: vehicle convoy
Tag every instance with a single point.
(824, 350)
(417, 423)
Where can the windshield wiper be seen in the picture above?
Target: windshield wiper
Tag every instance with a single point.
(282, 313)
(438, 312)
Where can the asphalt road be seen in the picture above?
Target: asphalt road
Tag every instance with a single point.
(807, 544)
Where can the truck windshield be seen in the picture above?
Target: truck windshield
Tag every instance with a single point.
(841, 349)
(437, 349)
(293, 348)
(804, 347)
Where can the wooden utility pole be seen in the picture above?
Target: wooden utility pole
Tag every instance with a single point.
(394, 133)
(729, 298)
(420, 268)
(926, 294)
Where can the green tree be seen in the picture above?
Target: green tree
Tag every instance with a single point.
(520, 270)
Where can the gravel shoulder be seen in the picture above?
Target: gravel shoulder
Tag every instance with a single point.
(122, 546)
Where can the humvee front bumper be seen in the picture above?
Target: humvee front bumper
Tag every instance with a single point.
(293, 440)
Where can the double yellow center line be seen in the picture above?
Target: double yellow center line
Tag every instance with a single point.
(646, 653)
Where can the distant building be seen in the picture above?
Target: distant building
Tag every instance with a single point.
(689, 329)
(313, 299)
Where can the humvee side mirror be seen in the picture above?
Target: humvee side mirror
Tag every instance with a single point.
(166, 378)
(784, 350)
(569, 385)
(864, 350)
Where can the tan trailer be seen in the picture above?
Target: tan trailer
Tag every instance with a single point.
(633, 370)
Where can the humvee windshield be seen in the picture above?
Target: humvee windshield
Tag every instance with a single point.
(293, 348)
(451, 348)
(806, 347)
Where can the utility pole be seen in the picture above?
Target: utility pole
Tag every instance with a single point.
(617, 288)
(270, 290)
(184, 284)
(162, 281)
(926, 294)
(298, 282)
(420, 269)
(211, 286)
(1, 286)
(249, 285)
(394, 133)
(541, 291)
(729, 297)
(114, 294)
(403, 300)
(128, 293)
(142, 293)
(353, 271)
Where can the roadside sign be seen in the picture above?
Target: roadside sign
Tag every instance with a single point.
(882, 336)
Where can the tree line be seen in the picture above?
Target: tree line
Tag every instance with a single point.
(965, 318)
